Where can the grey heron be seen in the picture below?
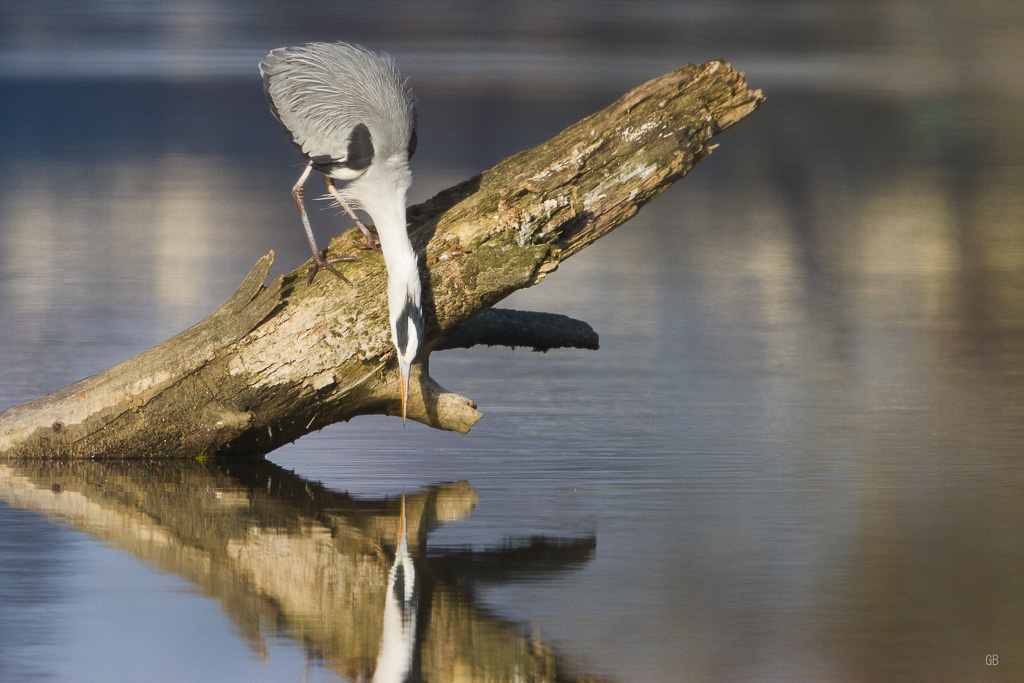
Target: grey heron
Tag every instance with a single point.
(352, 116)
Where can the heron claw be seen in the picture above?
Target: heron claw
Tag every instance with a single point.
(319, 262)
(369, 245)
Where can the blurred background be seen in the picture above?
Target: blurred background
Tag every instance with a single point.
(799, 448)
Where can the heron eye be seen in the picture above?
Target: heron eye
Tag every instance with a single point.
(412, 144)
(360, 148)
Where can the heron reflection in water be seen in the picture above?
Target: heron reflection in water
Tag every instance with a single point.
(398, 639)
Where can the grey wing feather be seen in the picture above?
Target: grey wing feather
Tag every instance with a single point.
(322, 91)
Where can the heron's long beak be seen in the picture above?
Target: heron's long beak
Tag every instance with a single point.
(405, 391)
(401, 521)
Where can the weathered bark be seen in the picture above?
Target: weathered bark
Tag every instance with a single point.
(278, 361)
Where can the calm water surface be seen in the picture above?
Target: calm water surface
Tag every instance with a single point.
(797, 455)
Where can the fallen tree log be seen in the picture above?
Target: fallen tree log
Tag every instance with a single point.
(279, 360)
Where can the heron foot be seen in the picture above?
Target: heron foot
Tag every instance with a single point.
(370, 244)
(321, 263)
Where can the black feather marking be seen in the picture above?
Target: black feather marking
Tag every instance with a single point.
(410, 313)
(325, 163)
(360, 148)
(412, 144)
(411, 147)
(400, 583)
(402, 331)
(359, 156)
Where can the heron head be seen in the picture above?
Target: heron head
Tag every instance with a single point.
(406, 327)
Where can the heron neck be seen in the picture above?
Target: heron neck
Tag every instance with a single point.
(399, 255)
(382, 193)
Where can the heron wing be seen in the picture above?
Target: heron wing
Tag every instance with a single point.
(304, 95)
(324, 92)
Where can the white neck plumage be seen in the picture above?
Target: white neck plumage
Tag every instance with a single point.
(382, 192)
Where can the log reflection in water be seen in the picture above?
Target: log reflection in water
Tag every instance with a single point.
(274, 548)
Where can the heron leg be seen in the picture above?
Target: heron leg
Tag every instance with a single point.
(371, 240)
(318, 260)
